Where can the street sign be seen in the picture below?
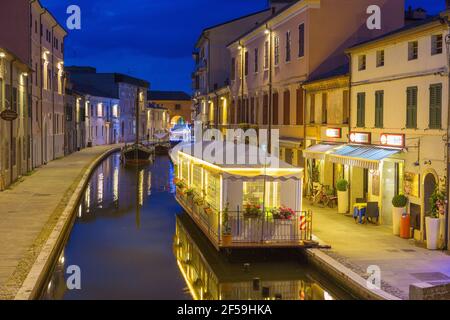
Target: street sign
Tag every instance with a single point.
(9, 115)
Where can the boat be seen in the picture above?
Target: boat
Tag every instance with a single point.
(137, 153)
(162, 143)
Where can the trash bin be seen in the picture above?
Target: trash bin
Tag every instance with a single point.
(405, 227)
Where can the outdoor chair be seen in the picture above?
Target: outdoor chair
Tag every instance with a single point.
(372, 212)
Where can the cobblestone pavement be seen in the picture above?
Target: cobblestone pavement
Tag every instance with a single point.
(30, 208)
(357, 247)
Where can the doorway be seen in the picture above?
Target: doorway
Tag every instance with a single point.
(429, 187)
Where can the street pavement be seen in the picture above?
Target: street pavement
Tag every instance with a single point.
(402, 262)
(29, 210)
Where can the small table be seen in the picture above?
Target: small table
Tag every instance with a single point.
(359, 211)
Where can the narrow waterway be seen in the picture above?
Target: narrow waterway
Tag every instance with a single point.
(131, 240)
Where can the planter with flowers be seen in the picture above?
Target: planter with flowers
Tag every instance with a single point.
(282, 227)
(435, 221)
(252, 222)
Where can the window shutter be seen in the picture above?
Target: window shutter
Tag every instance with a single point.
(379, 105)
(435, 106)
(361, 109)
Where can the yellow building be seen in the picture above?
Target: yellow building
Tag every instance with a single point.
(399, 102)
(178, 105)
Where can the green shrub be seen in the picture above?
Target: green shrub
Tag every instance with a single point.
(399, 201)
(342, 185)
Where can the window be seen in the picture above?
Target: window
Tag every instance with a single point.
(312, 109)
(275, 108)
(301, 40)
(345, 106)
(256, 60)
(411, 107)
(276, 50)
(178, 107)
(287, 107)
(100, 110)
(300, 109)
(361, 110)
(69, 113)
(324, 108)
(288, 46)
(14, 99)
(379, 105)
(413, 50)
(380, 58)
(260, 192)
(435, 106)
(246, 63)
(233, 69)
(362, 62)
(266, 55)
(436, 44)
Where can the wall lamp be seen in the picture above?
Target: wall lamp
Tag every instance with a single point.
(2, 55)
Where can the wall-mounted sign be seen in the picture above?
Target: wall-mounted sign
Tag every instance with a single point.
(8, 115)
(334, 133)
(393, 140)
(360, 137)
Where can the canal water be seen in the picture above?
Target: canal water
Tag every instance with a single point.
(131, 240)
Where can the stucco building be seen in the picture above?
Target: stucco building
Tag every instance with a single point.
(177, 103)
(127, 90)
(399, 100)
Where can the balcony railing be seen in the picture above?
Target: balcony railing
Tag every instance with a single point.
(260, 231)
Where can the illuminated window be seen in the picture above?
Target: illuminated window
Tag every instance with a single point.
(254, 193)
(99, 110)
(115, 111)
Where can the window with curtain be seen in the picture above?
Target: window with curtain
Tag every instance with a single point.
(253, 193)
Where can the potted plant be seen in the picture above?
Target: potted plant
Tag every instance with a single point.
(282, 222)
(252, 211)
(283, 213)
(342, 191)
(433, 219)
(190, 192)
(227, 234)
(399, 203)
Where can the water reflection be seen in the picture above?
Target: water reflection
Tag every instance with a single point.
(122, 237)
(123, 242)
(212, 276)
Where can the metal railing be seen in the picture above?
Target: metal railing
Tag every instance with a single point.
(245, 230)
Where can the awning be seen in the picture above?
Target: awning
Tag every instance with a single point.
(367, 157)
(318, 151)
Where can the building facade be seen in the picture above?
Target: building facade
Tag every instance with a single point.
(47, 85)
(270, 63)
(399, 100)
(130, 92)
(15, 155)
(177, 103)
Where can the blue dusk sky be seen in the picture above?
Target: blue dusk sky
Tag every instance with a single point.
(153, 39)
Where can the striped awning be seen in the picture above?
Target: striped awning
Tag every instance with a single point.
(318, 151)
(367, 157)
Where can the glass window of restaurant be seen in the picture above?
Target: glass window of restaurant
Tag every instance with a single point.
(253, 193)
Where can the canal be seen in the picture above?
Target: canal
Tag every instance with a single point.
(131, 240)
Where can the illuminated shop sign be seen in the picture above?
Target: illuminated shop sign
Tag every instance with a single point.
(334, 133)
(393, 140)
(360, 137)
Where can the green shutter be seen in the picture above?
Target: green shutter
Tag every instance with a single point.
(411, 107)
(435, 106)
(379, 106)
(361, 106)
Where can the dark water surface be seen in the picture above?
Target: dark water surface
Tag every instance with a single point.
(131, 240)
